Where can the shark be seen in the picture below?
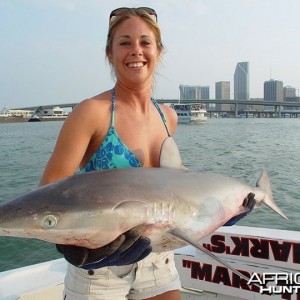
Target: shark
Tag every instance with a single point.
(171, 205)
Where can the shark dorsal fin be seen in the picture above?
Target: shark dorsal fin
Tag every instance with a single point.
(170, 156)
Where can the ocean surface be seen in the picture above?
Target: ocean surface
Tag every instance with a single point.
(240, 148)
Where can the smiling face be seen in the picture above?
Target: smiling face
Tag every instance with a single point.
(134, 52)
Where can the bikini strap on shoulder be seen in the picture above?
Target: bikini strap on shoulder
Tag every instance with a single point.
(113, 106)
(161, 115)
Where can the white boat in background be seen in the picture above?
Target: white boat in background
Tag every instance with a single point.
(34, 118)
(190, 113)
(249, 250)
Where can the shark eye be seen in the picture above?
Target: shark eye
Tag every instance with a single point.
(49, 222)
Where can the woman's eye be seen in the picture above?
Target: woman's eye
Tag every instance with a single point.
(128, 43)
(124, 43)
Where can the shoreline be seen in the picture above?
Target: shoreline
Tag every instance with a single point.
(6, 120)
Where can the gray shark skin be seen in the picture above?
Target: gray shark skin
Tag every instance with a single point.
(171, 205)
(93, 209)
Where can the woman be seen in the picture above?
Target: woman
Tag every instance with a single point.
(120, 128)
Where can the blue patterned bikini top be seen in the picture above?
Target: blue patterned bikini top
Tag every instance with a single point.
(113, 153)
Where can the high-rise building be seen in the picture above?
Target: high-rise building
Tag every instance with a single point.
(241, 83)
(204, 92)
(273, 90)
(288, 93)
(189, 92)
(196, 92)
(222, 92)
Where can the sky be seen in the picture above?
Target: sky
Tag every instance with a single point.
(52, 51)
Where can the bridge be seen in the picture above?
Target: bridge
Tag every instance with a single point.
(280, 107)
(292, 108)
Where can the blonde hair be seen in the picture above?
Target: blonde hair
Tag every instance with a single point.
(136, 12)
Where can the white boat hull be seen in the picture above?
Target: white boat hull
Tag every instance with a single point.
(187, 120)
(201, 276)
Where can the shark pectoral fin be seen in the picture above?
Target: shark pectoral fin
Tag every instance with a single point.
(265, 184)
(170, 156)
(181, 235)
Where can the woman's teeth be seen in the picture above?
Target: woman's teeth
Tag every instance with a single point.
(136, 65)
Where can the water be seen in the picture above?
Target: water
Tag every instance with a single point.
(240, 148)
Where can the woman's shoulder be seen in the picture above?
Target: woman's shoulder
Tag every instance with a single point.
(95, 105)
(100, 100)
(90, 111)
(168, 109)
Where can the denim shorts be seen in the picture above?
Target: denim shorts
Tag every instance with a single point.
(152, 276)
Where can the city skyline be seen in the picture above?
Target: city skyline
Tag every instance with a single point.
(272, 89)
(52, 51)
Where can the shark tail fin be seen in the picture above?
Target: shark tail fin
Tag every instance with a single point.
(265, 184)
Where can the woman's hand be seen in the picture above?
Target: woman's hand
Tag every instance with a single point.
(249, 202)
(127, 249)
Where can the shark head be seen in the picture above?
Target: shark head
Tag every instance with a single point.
(62, 212)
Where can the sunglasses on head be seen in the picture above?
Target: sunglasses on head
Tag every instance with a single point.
(120, 11)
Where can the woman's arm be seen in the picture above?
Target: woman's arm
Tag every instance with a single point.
(72, 143)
